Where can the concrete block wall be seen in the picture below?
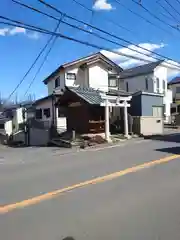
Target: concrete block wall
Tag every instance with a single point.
(148, 126)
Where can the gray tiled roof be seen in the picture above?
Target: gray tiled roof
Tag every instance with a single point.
(120, 92)
(88, 94)
(93, 96)
(140, 70)
(83, 60)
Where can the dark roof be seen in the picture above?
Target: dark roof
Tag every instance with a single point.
(3, 118)
(56, 94)
(147, 93)
(89, 95)
(140, 70)
(93, 96)
(174, 81)
(84, 60)
(42, 99)
(120, 92)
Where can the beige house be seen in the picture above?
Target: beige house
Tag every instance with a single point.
(95, 71)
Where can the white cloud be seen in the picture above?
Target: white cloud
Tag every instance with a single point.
(33, 35)
(17, 30)
(3, 31)
(127, 62)
(102, 5)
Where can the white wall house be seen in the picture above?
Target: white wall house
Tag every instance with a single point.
(49, 115)
(151, 78)
(99, 72)
(95, 71)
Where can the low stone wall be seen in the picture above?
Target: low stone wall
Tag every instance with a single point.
(148, 125)
(38, 137)
(136, 125)
(177, 119)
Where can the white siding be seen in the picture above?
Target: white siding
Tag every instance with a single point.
(138, 83)
(51, 83)
(19, 114)
(161, 73)
(8, 127)
(17, 118)
(43, 105)
(60, 122)
(50, 86)
(167, 100)
(94, 75)
(81, 77)
(98, 77)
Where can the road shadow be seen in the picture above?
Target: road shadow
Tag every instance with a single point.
(171, 150)
(172, 137)
(68, 238)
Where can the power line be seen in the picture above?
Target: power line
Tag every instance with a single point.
(97, 35)
(172, 7)
(44, 60)
(33, 64)
(99, 47)
(178, 1)
(45, 31)
(166, 10)
(57, 10)
(140, 16)
(103, 17)
(30, 27)
(154, 16)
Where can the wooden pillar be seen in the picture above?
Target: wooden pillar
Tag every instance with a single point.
(107, 132)
(126, 130)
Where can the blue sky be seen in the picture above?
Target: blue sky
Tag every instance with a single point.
(18, 48)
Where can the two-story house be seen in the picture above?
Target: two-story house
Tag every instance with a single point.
(152, 78)
(96, 80)
(95, 71)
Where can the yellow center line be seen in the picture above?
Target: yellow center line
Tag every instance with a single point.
(50, 195)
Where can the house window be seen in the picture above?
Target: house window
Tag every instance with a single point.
(164, 85)
(57, 82)
(157, 111)
(173, 110)
(157, 84)
(178, 108)
(127, 87)
(38, 113)
(112, 82)
(177, 89)
(47, 112)
(146, 83)
(61, 112)
(71, 76)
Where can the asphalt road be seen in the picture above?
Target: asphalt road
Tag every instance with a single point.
(136, 204)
